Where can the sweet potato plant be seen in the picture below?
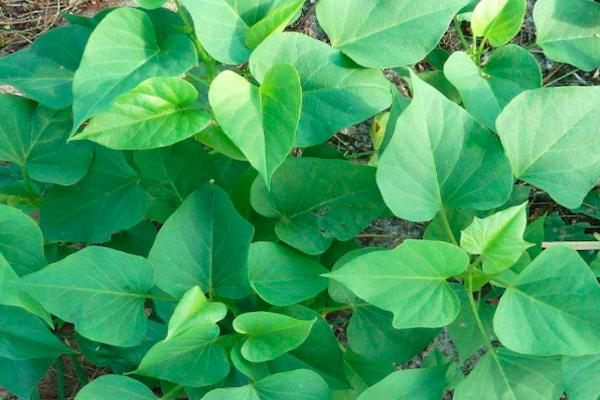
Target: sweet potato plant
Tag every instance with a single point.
(173, 215)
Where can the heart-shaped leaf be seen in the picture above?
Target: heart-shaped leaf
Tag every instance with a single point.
(389, 33)
(409, 281)
(122, 52)
(556, 290)
(115, 387)
(557, 151)
(260, 121)
(498, 21)
(21, 241)
(439, 157)
(156, 113)
(205, 243)
(100, 290)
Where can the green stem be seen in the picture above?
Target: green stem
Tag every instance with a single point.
(81, 375)
(461, 35)
(560, 78)
(209, 62)
(26, 180)
(60, 379)
(173, 393)
(475, 310)
(447, 226)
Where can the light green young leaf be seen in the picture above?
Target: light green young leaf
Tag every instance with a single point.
(498, 21)
(502, 374)
(282, 276)
(274, 22)
(44, 71)
(12, 295)
(486, 91)
(194, 309)
(106, 200)
(580, 375)
(498, 239)
(568, 31)
(552, 307)
(35, 138)
(158, 112)
(222, 25)
(388, 33)
(192, 358)
(100, 290)
(409, 281)
(260, 121)
(122, 52)
(301, 384)
(320, 352)
(410, 384)
(336, 93)
(115, 387)
(170, 174)
(441, 157)
(311, 211)
(552, 139)
(24, 336)
(21, 241)
(270, 335)
(205, 243)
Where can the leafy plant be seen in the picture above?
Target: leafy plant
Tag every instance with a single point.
(172, 212)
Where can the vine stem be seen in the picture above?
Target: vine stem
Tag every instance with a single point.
(475, 310)
(172, 394)
(209, 62)
(447, 227)
(461, 35)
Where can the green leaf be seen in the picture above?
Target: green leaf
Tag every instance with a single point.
(409, 384)
(567, 31)
(580, 374)
(552, 307)
(283, 277)
(498, 21)
(320, 352)
(156, 113)
(115, 387)
(122, 52)
(385, 34)
(22, 377)
(336, 93)
(12, 295)
(409, 281)
(190, 354)
(301, 384)
(24, 336)
(100, 290)
(21, 241)
(170, 174)
(108, 198)
(311, 211)
(205, 243)
(275, 21)
(270, 335)
(260, 121)
(35, 138)
(440, 157)
(370, 325)
(137, 240)
(222, 25)
(44, 71)
(502, 374)
(591, 205)
(498, 239)
(552, 139)
(486, 91)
